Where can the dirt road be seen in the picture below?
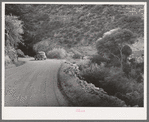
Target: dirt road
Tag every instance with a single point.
(33, 84)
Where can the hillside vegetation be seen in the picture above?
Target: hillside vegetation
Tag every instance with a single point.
(106, 42)
(48, 26)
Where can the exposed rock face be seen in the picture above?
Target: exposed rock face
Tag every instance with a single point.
(81, 93)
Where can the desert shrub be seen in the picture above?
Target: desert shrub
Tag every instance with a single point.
(58, 53)
(94, 73)
(20, 53)
(98, 59)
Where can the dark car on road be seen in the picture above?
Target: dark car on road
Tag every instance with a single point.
(40, 56)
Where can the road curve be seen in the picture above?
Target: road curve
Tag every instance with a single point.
(33, 84)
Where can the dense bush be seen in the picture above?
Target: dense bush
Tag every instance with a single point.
(11, 52)
(115, 71)
(134, 23)
(20, 53)
(136, 97)
(134, 70)
(136, 74)
(117, 83)
(115, 44)
(98, 59)
(114, 81)
(12, 56)
(58, 53)
(113, 62)
(83, 64)
(81, 93)
(127, 51)
(70, 54)
(126, 69)
(76, 54)
(13, 30)
(7, 60)
(94, 73)
(42, 46)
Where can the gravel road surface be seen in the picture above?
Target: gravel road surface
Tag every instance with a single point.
(33, 84)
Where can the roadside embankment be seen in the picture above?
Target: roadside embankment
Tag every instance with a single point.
(81, 93)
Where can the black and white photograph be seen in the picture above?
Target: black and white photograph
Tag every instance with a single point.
(74, 58)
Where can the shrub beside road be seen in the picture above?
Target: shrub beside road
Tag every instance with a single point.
(80, 93)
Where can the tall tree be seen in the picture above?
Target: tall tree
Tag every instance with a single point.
(114, 43)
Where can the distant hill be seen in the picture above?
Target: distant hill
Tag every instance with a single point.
(74, 25)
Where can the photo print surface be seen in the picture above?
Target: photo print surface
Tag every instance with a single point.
(75, 57)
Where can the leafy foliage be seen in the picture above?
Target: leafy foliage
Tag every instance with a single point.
(114, 43)
(72, 25)
(98, 59)
(136, 97)
(76, 54)
(42, 46)
(83, 64)
(114, 82)
(13, 30)
(44, 27)
(134, 23)
(11, 52)
(57, 53)
(20, 53)
(94, 73)
(7, 60)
